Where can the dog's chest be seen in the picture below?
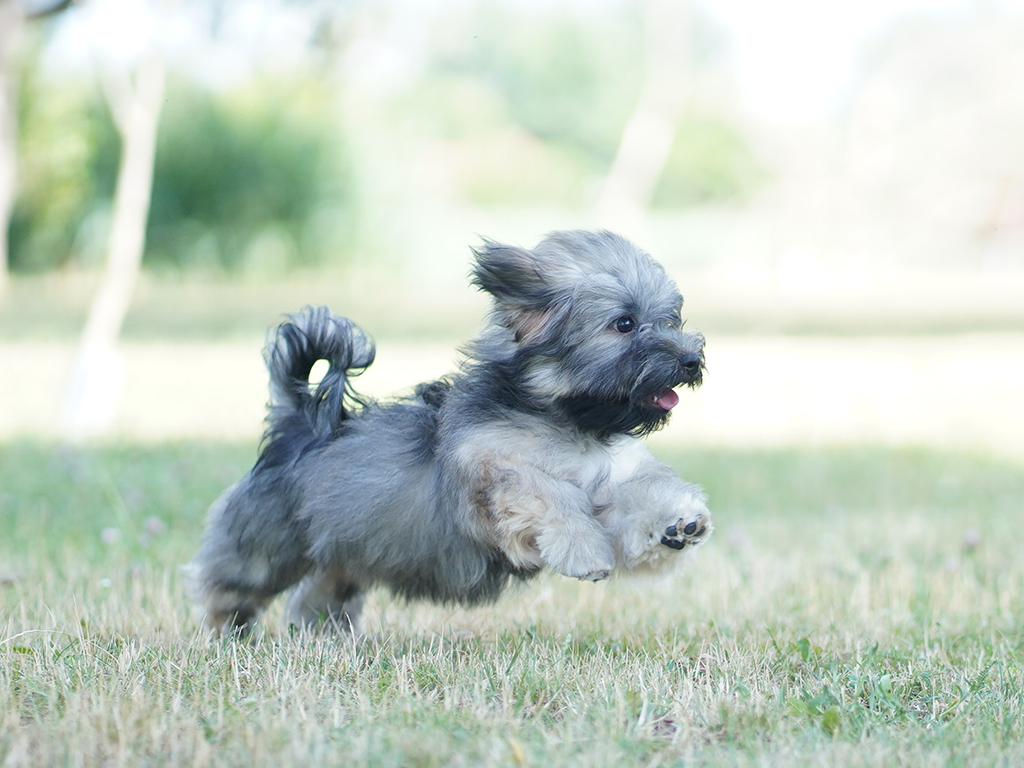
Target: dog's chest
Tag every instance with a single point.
(589, 464)
(608, 465)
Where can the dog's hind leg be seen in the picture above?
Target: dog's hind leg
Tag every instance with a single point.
(225, 610)
(231, 590)
(326, 598)
(249, 554)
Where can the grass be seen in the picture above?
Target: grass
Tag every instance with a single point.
(855, 607)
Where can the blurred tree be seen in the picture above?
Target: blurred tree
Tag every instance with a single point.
(12, 21)
(260, 172)
(255, 178)
(10, 37)
(647, 138)
(554, 77)
(544, 98)
(548, 105)
(710, 161)
(284, 166)
(135, 96)
(59, 204)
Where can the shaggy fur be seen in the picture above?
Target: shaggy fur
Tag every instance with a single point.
(527, 458)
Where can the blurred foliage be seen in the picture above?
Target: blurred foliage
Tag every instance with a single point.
(254, 178)
(60, 128)
(504, 107)
(559, 80)
(710, 161)
(532, 109)
(526, 108)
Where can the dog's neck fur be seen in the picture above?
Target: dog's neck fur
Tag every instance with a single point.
(496, 388)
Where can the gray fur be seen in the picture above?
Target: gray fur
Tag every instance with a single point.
(526, 458)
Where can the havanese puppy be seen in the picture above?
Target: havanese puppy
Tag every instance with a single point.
(529, 457)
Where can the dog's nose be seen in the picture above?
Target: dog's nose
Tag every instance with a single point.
(690, 363)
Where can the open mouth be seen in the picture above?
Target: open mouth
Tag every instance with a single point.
(665, 400)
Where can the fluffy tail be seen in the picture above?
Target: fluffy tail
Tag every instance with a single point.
(306, 337)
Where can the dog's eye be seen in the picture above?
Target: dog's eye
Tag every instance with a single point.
(625, 324)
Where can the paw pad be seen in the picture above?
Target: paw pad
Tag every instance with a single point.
(683, 532)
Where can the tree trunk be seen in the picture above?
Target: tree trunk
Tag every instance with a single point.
(647, 138)
(95, 387)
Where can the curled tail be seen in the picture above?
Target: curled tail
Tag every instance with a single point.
(298, 411)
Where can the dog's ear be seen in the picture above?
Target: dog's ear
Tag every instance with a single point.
(527, 300)
(511, 275)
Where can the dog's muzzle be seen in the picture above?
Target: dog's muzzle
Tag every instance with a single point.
(691, 365)
(689, 371)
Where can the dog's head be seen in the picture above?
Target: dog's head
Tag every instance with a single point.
(590, 326)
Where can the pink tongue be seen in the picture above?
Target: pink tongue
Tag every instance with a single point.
(667, 400)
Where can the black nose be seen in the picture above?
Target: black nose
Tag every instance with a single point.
(690, 363)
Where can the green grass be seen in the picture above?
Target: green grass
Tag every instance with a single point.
(838, 616)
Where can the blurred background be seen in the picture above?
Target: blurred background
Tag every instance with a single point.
(838, 189)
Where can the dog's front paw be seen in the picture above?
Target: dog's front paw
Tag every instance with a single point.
(578, 558)
(587, 567)
(692, 530)
(651, 545)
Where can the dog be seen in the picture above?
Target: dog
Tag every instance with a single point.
(528, 458)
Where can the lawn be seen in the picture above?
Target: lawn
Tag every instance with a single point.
(855, 607)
